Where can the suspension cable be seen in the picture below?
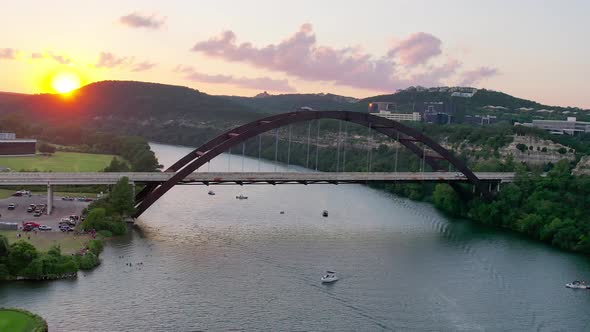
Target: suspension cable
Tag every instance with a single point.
(344, 147)
(308, 143)
(338, 146)
(276, 147)
(243, 155)
(259, 150)
(370, 147)
(317, 150)
(289, 150)
(229, 160)
(396, 152)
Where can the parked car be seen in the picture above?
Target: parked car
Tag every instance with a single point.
(37, 213)
(31, 208)
(66, 228)
(11, 206)
(44, 228)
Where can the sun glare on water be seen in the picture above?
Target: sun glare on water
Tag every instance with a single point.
(65, 82)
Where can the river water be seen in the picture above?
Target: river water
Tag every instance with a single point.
(203, 262)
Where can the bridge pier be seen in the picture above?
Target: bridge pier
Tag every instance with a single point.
(49, 198)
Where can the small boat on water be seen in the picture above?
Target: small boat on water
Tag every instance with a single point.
(577, 285)
(211, 192)
(329, 277)
(241, 197)
(282, 212)
(325, 213)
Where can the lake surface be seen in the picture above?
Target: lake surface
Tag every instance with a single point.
(218, 263)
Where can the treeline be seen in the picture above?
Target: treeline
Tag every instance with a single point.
(22, 260)
(135, 152)
(107, 215)
(551, 208)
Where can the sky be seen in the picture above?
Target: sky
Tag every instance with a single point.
(537, 50)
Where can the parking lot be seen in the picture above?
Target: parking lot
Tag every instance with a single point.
(61, 209)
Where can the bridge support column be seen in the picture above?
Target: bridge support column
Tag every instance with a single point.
(133, 188)
(49, 199)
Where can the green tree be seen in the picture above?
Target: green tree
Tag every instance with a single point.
(117, 166)
(20, 256)
(4, 248)
(121, 198)
(446, 199)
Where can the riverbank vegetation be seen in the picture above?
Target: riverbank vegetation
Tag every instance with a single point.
(551, 208)
(21, 259)
(19, 320)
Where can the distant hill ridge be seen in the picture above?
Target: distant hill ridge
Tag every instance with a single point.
(162, 102)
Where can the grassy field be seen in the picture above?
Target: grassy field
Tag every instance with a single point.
(68, 242)
(5, 193)
(59, 162)
(15, 321)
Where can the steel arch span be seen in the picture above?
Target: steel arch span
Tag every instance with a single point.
(405, 135)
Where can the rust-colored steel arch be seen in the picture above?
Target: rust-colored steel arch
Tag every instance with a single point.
(203, 154)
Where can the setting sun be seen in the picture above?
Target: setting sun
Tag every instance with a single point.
(65, 82)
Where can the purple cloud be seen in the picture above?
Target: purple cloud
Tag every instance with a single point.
(7, 53)
(37, 55)
(302, 57)
(143, 66)
(259, 83)
(60, 59)
(109, 60)
(471, 77)
(434, 75)
(136, 20)
(407, 63)
(417, 49)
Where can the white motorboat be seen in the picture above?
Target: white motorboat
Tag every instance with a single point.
(241, 197)
(329, 277)
(577, 284)
(211, 192)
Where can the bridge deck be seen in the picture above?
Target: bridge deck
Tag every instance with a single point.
(245, 177)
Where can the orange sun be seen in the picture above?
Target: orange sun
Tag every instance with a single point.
(65, 82)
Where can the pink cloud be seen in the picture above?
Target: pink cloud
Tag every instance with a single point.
(7, 53)
(60, 59)
(109, 60)
(136, 20)
(143, 66)
(417, 49)
(474, 76)
(435, 75)
(258, 83)
(301, 56)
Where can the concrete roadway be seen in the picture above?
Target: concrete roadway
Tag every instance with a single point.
(14, 178)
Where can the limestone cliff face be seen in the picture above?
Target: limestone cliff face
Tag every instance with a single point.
(539, 151)
(583, 167)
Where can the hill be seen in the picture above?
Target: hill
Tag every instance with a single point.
(267, 103)
(482, 102)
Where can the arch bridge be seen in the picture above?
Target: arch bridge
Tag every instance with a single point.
(406, 136)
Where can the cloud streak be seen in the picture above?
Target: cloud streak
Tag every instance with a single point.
(417, 49)
(137, 20)
(474, 76)
(109, 60)
(257, 83)
(408, 62)
(143, 66)
(7, 53)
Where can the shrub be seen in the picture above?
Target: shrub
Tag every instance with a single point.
(105, 234)
(88, 261)
(95, 246)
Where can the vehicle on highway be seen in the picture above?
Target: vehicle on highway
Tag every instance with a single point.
(44, 228)
(67, 198)
(31, 207)
(11, 206)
